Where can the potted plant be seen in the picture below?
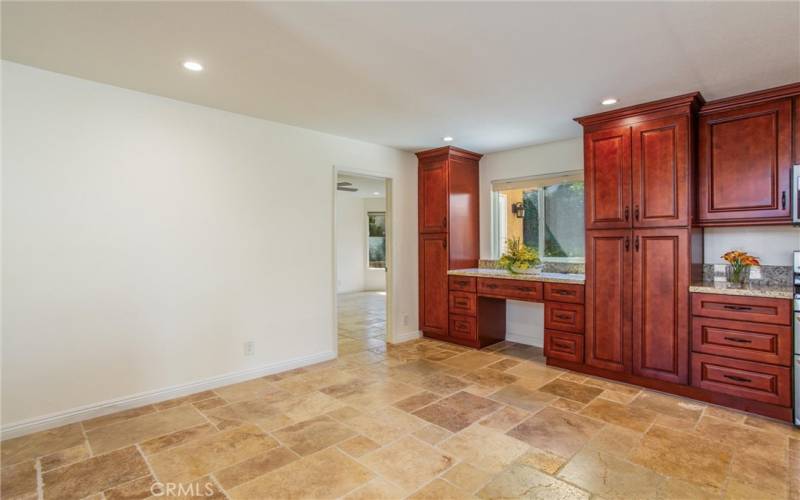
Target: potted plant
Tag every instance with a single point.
(737, 271)
(518, 256)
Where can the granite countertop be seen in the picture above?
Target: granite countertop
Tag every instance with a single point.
(722, 288)
(576, 279)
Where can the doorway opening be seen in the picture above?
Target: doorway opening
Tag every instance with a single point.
(362, 234)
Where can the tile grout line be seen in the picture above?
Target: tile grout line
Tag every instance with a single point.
(39, 479)
(147, 463)
(216, 482)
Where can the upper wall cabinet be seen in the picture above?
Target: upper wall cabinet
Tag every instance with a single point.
(607, 178)
(637, 166)
(745, 164)
(433, 196)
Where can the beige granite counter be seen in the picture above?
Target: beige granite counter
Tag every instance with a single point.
(576, 279)
(722, 288)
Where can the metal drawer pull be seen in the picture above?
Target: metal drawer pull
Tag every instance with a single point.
(737, 308)
(562, 345)
(524, 289)
(462, 302)
(491, 285)
(562, 316)
(462, 283)
(741, 341)
(563, 292)
(462, 325)
(738, 379)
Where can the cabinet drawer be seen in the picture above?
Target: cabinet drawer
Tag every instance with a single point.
(563, 292)
(462, 283)
(744, 379)
(512, 289)
(738, 339)
(757, 309)
(563, 317)
(463, 327)
(463, 303)
(566, 346)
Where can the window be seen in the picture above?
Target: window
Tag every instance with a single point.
(377, 240)
(545, 212)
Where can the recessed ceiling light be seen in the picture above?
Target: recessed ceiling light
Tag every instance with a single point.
(193, 66)
(376, 193)
(447, 138)
(609, 102)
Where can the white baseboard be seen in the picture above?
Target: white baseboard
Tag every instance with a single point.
(524, 339)
(143, 398)
(399, 338)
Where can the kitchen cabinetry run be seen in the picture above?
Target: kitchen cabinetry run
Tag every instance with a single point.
(448, 239)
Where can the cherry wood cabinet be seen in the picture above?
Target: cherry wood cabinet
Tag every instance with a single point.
(608, 299)
(433, 260)
(607, 160)
(433, 196)
(660, 172)
(660, 330)
(745, 159)
(448, 238)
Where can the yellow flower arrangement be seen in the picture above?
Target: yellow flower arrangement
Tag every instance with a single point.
(518, 256)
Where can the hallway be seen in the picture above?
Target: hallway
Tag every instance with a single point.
(362, 322)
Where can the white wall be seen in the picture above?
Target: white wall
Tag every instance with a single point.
(524, 320)
(146, 239)
(351, 237)
(773, 245)
(353, 273)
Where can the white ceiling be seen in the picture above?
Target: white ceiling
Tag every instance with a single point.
(493, 75)
(367, 186)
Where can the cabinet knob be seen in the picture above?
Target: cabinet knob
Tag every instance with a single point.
(636, 243)
(636, 212)
(627, 213)
(444, 221)
(783, 200)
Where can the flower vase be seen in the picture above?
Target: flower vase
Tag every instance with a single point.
(737, 276)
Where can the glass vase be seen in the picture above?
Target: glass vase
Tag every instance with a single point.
(737, 277)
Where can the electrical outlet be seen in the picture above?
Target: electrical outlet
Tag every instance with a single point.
(249, 348)
(755, 273)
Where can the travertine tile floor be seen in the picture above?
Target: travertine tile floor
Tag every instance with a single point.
(424, 420)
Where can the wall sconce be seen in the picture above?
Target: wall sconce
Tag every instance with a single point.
(518, 209)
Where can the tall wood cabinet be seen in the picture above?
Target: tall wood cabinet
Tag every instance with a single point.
(448, 229)
(639, 239)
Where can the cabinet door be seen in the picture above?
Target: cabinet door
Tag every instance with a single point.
(660, 333)
(608, 299)
(607, 162)
(433, 284)
(433, 196)
(659, 172)
(745, 162)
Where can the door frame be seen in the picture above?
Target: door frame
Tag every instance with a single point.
(388, 182)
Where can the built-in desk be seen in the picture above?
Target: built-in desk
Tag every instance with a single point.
(477, 308)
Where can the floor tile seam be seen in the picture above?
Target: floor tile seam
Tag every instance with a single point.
(217, 483)
(39, 479)
(146, 439)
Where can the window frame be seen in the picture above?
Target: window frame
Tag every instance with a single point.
(499, 221)
(369, 261)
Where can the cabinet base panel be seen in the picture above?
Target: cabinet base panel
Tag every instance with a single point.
(687, 391)
(476, 344)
